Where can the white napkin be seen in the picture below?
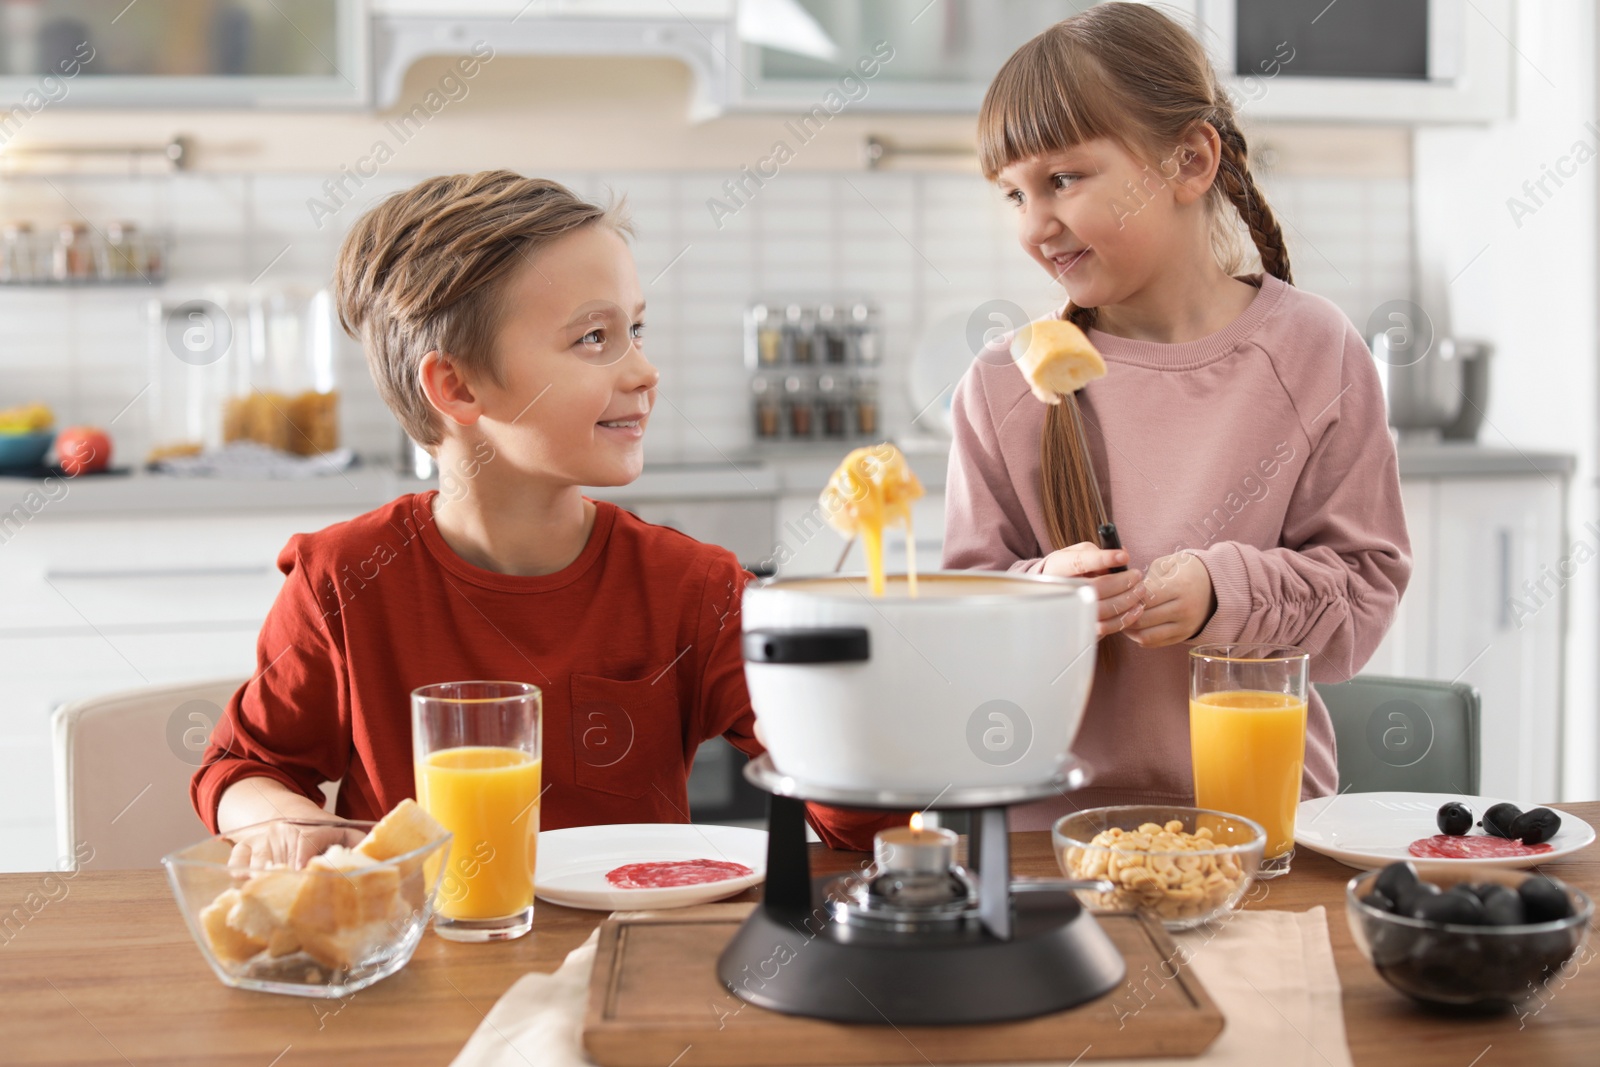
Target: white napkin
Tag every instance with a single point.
(1271, 973)
(539, 1020)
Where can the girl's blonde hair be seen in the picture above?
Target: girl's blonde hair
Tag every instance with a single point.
(1129, 73)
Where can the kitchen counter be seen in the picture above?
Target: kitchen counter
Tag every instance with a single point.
(738, 477)
(362, 488)
(1465, 459)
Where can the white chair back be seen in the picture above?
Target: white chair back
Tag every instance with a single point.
(122, 767)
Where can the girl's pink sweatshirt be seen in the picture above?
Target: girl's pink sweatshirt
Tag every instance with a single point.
(1264, 450)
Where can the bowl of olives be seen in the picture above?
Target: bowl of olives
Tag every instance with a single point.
(1470, 937)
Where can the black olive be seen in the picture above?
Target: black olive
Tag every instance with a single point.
(1462, 909)
(1395, 879)
(1535, 827)
(1502, 906)
(1413, 897)
(1498, 819)
(1454, 818)
(1544, 900)
(1378, 900)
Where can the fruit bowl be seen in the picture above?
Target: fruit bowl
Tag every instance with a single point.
(1183, 887)
(317, 931)
(1468, 965)
(25, 449)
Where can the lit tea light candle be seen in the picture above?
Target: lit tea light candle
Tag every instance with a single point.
(920, 848)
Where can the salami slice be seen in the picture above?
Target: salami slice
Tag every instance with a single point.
(1473, 847)
(667, 873)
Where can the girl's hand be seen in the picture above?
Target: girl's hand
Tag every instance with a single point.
(1181, 601)
(1122, 596)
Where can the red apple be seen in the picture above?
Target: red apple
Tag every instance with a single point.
(82, 450)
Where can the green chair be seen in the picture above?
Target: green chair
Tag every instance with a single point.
(1404, 734)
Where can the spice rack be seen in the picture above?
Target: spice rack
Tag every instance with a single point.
(77, 253)
(813, 371)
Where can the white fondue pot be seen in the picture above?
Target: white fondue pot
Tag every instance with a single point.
(979, 680)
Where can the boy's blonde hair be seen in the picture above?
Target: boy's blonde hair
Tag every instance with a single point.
(427, 268)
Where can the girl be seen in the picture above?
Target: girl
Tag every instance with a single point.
(1239, 436)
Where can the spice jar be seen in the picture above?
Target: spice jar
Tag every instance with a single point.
(866, 405)
(74, 258)
(150, 256)
(863, 334)
(764, 338)
(17, 255)
(831, 408)
(798, 402)
(832, 334)
(798, 332)
(120, 256)
(768, 411)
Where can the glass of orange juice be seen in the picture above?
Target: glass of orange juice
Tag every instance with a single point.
(477, 752)
(1247, 736)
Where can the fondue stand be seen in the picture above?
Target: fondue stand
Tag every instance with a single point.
(915, 938)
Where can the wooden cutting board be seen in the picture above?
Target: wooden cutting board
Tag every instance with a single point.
(655, 1001)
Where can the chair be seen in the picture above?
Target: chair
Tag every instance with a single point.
(1405, 734)
(122, 767)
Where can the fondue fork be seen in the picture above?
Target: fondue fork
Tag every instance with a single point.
(1106, 531)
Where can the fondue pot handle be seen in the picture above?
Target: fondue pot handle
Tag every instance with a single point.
(828, 644)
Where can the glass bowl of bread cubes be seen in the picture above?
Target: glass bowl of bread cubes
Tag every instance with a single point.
(1183, 866)
(351, 916)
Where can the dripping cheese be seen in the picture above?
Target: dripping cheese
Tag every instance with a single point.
(872, 489)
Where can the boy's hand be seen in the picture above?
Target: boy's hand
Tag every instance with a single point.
(282, 844)
(250, 801)
(1122, 596)
(1181, 601)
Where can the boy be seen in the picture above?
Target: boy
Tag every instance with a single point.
(501, 318)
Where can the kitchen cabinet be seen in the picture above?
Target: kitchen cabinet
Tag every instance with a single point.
(98, 605)
(1486, 606)
(206, 53)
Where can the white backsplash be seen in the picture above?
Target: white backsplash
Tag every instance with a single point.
(921, 245)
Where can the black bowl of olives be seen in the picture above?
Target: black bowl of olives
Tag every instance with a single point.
(1470, 937)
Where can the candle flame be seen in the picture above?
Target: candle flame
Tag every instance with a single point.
(916, 821)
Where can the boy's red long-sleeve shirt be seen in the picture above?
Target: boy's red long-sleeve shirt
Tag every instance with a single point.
(635, 646)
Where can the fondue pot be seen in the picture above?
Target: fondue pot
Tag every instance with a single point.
(963, 698)
(979, 680)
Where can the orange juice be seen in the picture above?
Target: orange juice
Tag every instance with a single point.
(489, 799)
(1249, 749)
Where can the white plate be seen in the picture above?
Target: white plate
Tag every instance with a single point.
(1371, 830)
(572, 863)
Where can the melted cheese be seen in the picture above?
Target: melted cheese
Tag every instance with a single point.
(872, 489)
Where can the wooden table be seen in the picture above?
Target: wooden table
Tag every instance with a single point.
(103, 972)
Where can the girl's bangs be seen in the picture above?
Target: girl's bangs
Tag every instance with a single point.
(1047, 98)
